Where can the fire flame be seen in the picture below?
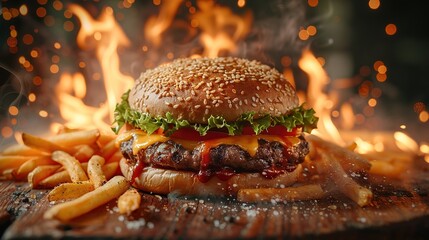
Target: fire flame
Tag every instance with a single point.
(105, 36)
(214, 20)
(156, 25)
(221, 29)
(323, 104)
(317, 99)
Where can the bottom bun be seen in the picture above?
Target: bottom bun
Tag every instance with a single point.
(166, 181)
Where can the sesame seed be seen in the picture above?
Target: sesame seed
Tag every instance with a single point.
(212, 79)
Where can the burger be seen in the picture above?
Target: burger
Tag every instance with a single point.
(212, 126)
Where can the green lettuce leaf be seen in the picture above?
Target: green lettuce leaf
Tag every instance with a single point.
(297, 117)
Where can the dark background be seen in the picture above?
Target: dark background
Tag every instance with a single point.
(350, 37)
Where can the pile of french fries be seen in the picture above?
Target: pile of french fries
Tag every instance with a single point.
(80, 166)
(333, 165)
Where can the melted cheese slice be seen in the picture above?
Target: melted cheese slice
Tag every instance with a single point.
(141, 139)
(248, 143)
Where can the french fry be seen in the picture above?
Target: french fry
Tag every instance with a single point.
(390, 156)
(40, 173)
(392, 169)
(30, 165)
(129, 201)
(68, 191)
(64, 129)
(110, 169)
(84, 166)
(58, 178)
(114, 188)
(105, 138)
(21, 150)
(83, 137)
(332, 169)
(109, 149)
(115, 157)
(42, 144)
(55, 180)
(95, 171)
(304, 192)
(11, 161)
(84, 153)
(71, 164)
(349, 160)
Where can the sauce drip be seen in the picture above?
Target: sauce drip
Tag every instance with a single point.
(225, 173)
(206, 173)
(137, 170)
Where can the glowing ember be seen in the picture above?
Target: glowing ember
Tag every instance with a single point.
(405, 143)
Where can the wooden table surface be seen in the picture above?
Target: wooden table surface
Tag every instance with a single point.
(396, 213)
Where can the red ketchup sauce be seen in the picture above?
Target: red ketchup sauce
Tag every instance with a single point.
(137, 170)
(206, 173)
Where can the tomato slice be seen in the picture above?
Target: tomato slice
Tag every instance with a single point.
(276, 130)
(193, 135)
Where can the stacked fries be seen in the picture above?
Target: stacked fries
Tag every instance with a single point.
(80, 166)
(333, 165)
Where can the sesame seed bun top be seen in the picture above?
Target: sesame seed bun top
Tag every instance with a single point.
(195, 89)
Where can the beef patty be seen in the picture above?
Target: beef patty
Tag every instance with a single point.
(172, 155)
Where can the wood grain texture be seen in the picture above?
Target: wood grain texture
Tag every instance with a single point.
(399, 211)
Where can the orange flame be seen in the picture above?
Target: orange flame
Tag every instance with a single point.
(156, 25)
(317, 99)
(73, 109)
(105, 36)
(215, 21)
